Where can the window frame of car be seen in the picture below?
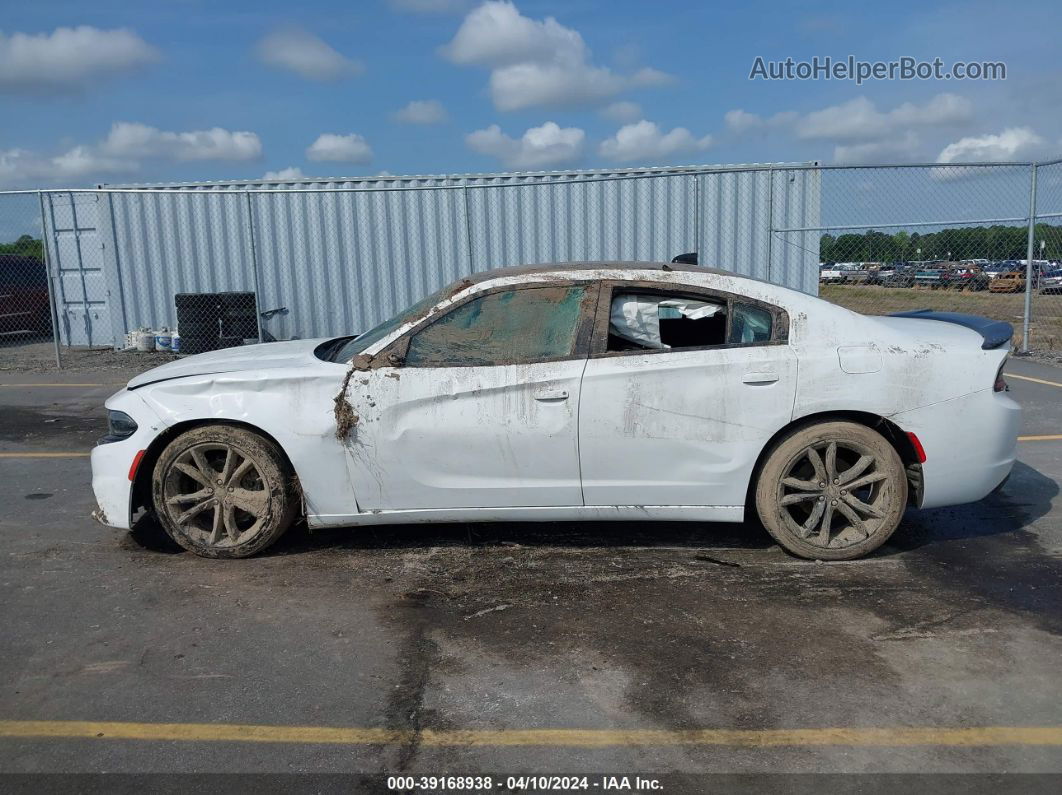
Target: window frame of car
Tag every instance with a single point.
(599, 342)
(395, 352)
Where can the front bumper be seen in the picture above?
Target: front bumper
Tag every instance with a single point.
(112, 462)
(970, 442)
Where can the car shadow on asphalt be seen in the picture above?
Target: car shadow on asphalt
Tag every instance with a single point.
(1026, 497)
(149, 535)
(1023, 499)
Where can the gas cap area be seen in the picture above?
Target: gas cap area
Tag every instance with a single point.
(855, 359)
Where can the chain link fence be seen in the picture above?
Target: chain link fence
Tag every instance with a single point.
(946, 237)
(192, 269)
(26, 311)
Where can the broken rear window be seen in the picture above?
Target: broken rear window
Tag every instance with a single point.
(750, 324)
(647, 321)
(509, 327)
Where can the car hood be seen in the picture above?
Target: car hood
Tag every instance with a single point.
(296, 353)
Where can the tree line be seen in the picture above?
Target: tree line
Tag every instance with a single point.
(25, 246)
(967, 242)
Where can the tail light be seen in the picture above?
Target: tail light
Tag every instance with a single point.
(916, 445)
(1001, 383)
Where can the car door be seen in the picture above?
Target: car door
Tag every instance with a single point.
(683, 425)
(482, 410)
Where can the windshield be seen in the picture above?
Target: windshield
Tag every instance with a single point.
(353, 347)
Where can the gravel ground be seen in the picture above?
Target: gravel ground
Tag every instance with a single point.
(39, 357)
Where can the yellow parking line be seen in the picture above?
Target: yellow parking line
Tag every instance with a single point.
(1048, 438)
(748, 738)
(44, 455)
(1034, 380)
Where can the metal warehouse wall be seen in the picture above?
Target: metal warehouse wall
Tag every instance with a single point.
(342, 255)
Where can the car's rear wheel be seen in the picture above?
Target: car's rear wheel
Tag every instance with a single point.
(832, 491)
(223, 492)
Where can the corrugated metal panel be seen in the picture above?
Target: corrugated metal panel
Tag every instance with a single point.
(343, 254)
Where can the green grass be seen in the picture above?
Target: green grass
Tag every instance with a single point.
(1045, 329)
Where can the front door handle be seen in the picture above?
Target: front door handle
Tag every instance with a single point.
(552, 394)
(759, 378)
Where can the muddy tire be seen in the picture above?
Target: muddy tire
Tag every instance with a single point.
(223, 492)
(832, 491)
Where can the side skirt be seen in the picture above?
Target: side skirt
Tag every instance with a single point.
(599, 513)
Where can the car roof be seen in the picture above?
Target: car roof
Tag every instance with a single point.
(565, 267)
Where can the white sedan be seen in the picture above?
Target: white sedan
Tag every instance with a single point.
(575, 391)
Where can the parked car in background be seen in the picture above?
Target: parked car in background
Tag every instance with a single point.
(933, 276)
(877, 275)
(1051, 282)
(996, 269)
(857, 274)
(1009, 282)
(24, 306)
(507, 396)
(966, 277)
(901, 277)
(831, 273)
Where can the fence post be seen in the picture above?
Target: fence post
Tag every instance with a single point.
(697, 217)
(254, 266)
(1029, 263)
(770, 220)
(48, 275)
(468, 226)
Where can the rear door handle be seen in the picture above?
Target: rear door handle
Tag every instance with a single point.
(759, 378)
(552, 394)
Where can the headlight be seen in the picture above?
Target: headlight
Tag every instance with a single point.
(119, 426)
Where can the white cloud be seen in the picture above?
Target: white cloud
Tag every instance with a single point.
(623, 111)
(860, 132)
(536, 62)
(306, 55)
(526, 85)
(1013, 143)
(132, 139)
(647, 76)
(644, 140)
(121, 152)
(69, 58)
(902, 147)
(740, 121)
(429, 6)
(351, 148)
(860, 120)
(539, 147)
(285, 174)
(23, 168)
(421, 111)
(497, 34)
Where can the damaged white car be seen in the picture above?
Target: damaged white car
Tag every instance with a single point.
(585, 391)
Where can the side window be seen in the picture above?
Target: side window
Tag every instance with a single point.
(750, 324)
(517, 326)
(649, 321)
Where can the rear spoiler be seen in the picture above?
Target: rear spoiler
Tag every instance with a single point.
(995, 333)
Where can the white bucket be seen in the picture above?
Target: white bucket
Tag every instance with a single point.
(175, 343)
(145, 340)
(163, 339)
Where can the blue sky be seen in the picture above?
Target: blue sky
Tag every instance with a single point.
(121, 92)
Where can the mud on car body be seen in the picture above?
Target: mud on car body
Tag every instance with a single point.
(574, 391)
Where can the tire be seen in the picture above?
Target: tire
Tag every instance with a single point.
(256, 505)
(792, 473)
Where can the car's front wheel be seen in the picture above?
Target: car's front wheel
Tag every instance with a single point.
(832, 491)
(223, 492)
